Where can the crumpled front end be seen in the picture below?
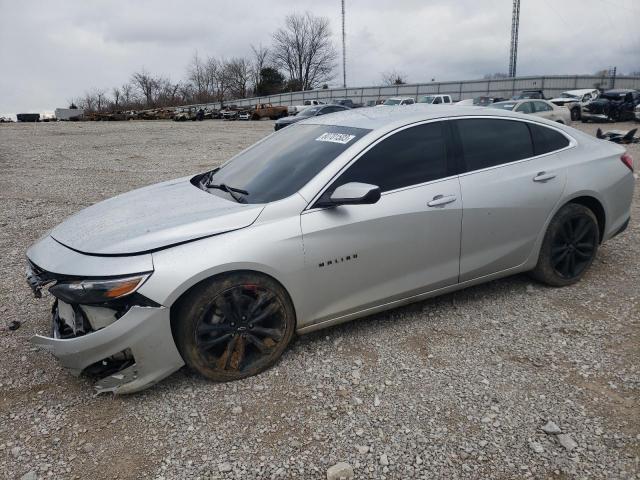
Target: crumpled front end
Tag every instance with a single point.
(124, 343)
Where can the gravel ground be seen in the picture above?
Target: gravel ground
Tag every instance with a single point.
(455, 387)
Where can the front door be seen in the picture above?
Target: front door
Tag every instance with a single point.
(360, 256)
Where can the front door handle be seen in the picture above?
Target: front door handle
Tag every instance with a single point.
(543, 177)
(440, 200)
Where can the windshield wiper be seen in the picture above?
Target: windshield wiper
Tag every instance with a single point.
(230, 190)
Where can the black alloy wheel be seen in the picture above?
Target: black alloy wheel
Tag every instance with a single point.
(234, 327)
(574, 246)
(569, 246)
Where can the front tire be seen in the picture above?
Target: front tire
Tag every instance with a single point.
(575, 114)
(569, 246)
(234, 326)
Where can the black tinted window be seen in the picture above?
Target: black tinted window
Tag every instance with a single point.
(489, 142)
(284, 162)
(546, 140)
(411, 156)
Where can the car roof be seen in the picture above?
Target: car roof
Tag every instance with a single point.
(400, 98)
(373, 118)
(580, 91)
(618, 91)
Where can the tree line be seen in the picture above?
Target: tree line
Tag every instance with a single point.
(302, 56)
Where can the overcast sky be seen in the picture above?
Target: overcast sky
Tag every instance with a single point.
(52, 51)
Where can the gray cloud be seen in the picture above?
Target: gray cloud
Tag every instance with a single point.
(53, 51)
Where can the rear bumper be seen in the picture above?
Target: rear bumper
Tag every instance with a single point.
(144, 331)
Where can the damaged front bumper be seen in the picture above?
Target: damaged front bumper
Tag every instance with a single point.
(125, 344)
(129, 355)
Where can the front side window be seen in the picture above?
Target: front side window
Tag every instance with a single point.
(488, 142)
(447, 100)
(412, 156)
(280, 165)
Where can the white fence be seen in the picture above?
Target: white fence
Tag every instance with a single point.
(551, 85)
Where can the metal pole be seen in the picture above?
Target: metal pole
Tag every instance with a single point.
(515, 22)
(344, 51)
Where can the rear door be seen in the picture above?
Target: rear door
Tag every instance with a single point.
(408, 242)
(510, 184)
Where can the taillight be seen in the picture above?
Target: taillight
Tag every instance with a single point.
(627, 160)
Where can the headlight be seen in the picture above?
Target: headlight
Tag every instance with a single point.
(97, 290)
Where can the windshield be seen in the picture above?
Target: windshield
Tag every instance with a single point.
(427, 99)
(309, 112)
(282, 164)
(392, 101)
(568, 95)
(503, 105)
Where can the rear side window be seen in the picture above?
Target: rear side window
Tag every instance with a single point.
(412, 156)
(546, 140)
(489, 142)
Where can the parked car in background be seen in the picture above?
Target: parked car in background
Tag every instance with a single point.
(533, 93)
(398, 101)
(295, 109)
(335, 218)
(637, 112)
(267, 110)
(613, 105)
(574, 100)
(373, 103)
(346, 102)
(435, 99)
(540, 108)
(244, 115)
(308, 113)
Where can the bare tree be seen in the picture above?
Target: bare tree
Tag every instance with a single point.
(239, 75)
(128, 95)
(117, 95)
(260, 59)
(393, 77)
(495, 76)
(197, 75)
(304, 49)
(147, 85)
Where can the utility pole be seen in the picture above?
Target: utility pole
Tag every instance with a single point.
(515, 22)
(344, 51)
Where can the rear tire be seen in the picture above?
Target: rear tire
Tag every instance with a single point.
(569, 246)
(234, 326)
(575, 114)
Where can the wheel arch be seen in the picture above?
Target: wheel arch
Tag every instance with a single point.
(593, 204)
(183, 294)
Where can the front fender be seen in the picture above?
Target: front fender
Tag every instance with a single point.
(273, 248)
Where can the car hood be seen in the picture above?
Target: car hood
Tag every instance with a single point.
(152, 218)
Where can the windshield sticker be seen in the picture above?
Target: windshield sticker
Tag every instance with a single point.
(343, 138)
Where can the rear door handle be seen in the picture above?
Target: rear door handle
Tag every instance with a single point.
(440, 200)
(543, 177)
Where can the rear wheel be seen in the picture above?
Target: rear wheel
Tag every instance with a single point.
(234, 326)
(569, 246)
(575, 114)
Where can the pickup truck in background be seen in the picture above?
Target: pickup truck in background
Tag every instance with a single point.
(267, 110)
(296, 109)
(435, 99)
(574, 100)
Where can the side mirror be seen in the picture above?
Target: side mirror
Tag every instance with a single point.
(355, 193)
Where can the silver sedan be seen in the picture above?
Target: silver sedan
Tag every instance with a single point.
(331, 219)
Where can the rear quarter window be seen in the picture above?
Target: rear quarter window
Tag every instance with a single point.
(547, 140)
